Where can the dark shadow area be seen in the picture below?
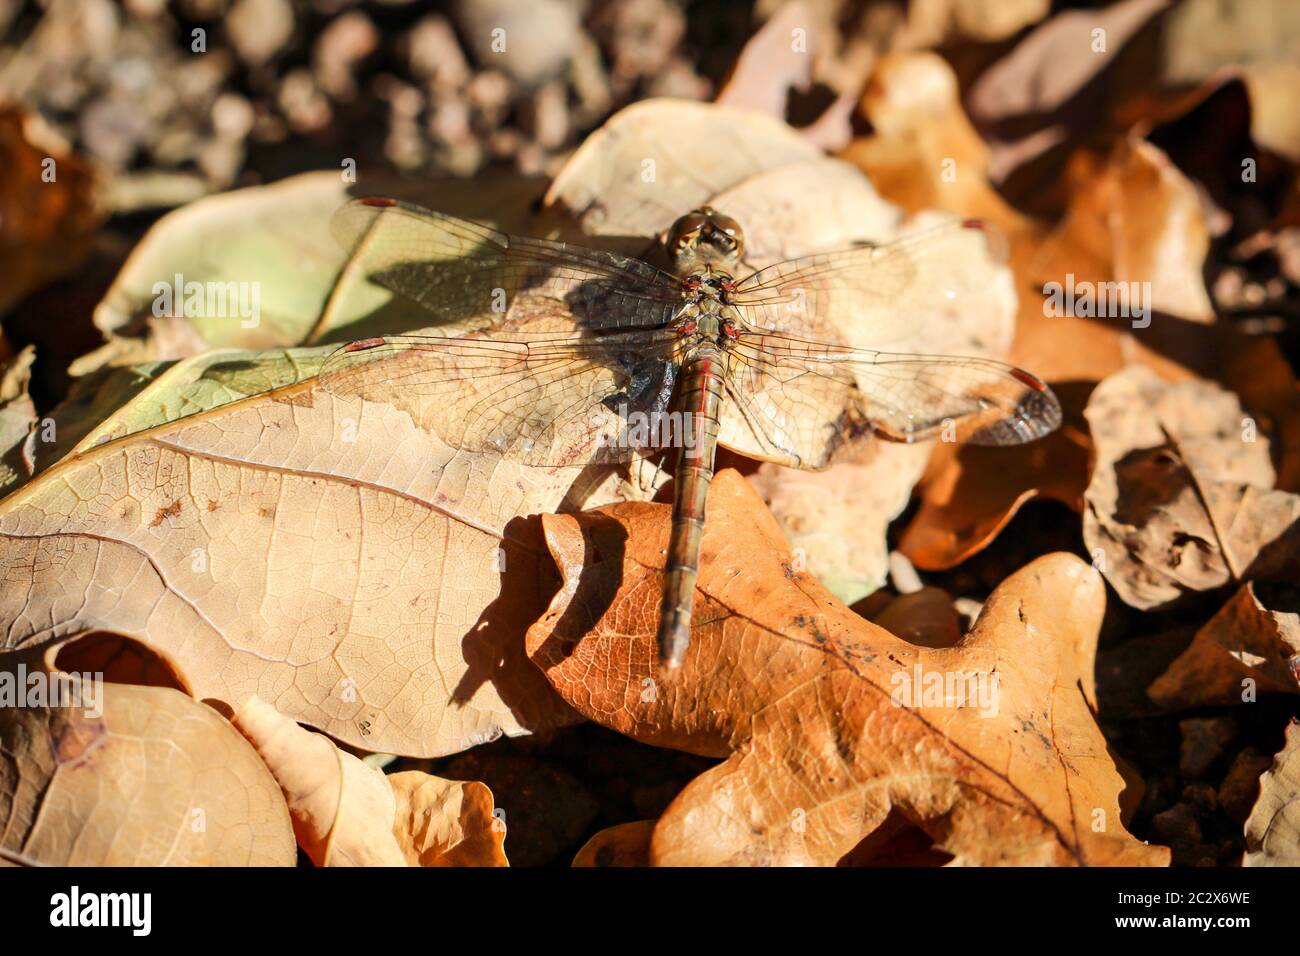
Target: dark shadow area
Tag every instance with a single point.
(121, 660)
(898, 841)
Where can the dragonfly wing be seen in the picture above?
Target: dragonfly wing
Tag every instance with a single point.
(549, 400)
(458, 269)
(810, 399)
(875, 294)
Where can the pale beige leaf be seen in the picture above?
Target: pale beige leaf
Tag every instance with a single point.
(322, 553)
(137, 776)
(1180, 499)
(346, 813)
(17, 419)
(1273, 828)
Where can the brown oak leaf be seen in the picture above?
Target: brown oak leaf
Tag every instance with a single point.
(830, 725)
(1245, 646)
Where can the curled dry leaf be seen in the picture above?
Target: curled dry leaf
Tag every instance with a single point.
(923, 152)
(627, 844)
(831, 726)
(773, 63)
(959, 513)
(1245, 650)
(346, 813)
(1161, 237)
(17, 419)
(1132, 218)
(323, 553)
(1179, 499)
(1048, 88)
(969, 494)
(1273, 828)
(123, 775)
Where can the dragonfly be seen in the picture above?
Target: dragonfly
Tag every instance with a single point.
(560, 355)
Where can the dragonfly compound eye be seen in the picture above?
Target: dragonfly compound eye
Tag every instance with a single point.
(727, 232)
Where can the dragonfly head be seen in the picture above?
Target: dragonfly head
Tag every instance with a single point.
(705, 237)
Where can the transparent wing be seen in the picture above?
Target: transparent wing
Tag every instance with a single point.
(544, 399)
(804, 400)
(874, 294)
(458, 269)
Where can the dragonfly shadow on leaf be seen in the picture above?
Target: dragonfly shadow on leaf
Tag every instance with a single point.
(600, 576)
(493, 648)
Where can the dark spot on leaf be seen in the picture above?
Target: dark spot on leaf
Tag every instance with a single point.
(171, 511)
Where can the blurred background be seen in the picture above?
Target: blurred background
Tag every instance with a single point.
(151, 104)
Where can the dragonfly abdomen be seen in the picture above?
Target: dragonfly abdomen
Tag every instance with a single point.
(699, 400)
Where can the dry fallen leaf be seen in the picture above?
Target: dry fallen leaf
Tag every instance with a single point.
(837, 519)
(17, 419)
(1273, 828)
(933, 22)
(969, 494)
(925, 617)
(627, 844)
(1179, 499)
(1204, 36)
(811, 705)
(259, 268)
(332, 558)
(1245, 650)
(1161, 237)
(782, 56)
(1132, 218)
(138, 776)
(923, 152)
(348, 814)
(1050, 88)
(48, 207)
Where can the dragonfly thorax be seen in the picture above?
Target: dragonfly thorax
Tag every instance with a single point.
(708, 318)
(709, 287)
